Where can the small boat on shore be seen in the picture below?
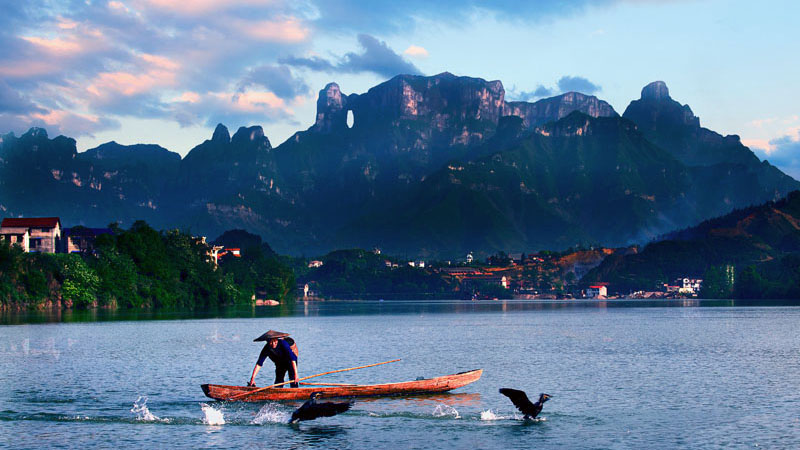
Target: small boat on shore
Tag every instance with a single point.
(424, 386)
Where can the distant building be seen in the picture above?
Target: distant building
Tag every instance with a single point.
(218, 252)
(34, 234)
(461, 271)
(81, 239)
(689, 286)
(469, 258)
(315, 263)
(597, 291)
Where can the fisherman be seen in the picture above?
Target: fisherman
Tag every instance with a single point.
(280, 348)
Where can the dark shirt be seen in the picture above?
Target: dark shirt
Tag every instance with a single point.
(280, 355)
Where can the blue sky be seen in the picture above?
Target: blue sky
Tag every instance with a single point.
(164, 71)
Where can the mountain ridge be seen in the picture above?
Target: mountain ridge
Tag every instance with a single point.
(334, 185)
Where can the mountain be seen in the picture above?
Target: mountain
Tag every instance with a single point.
(433, 166)
(403, 130)
(716, 160)
(751, 236)
(42, 177)
(578, 180)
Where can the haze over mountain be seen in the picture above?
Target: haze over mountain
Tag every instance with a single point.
(435, 165)
(759, 236)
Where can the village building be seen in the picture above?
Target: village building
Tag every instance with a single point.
(218, 251)
(597, 291)
(81, 239)
(33, 234)
(689, 286)
(314, 264)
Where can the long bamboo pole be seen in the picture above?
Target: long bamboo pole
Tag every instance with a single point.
(331, 384)
(245, 394)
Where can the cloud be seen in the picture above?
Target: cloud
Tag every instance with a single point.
(526, 96)
(314, 63)
(57, 122)
(375, 57)
(13, 102)
(289, 30)
(118, 58)
(416, 52)
(380, 17)
(563, 85)
(784, 153)
(577, 84)
(276, 78)
(212, 108)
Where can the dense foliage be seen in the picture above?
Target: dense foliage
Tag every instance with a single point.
(364, 275)
(140, 267)
(749, 253)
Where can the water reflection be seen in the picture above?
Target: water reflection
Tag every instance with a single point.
(315, 434)
(452, 399)
(345, 308)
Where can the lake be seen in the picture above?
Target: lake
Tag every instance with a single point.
(689, 374)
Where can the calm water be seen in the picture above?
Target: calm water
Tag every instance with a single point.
(622, 375)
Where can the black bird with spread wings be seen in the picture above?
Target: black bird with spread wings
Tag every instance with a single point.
(520, 400)
(311, 410)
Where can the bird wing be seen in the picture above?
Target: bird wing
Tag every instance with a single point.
(519, 399)
(328, 409)
(311, 411)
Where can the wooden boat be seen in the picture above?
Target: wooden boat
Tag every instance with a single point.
(425, 386)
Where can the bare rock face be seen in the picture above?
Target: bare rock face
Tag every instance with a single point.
(657, 90)
(656, 109)
(251, 137)
(558, 107)
(447, 109)
(331, 110)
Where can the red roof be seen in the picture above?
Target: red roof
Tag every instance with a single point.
(31, 222)
(597, 286)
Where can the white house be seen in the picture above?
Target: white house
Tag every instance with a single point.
(597, 291)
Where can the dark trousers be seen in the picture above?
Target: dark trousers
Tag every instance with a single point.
(280, 373)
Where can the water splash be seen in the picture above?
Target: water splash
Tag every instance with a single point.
(143, 414)
(270, 413)
(211, 415)
(443, 410)
(489, 415)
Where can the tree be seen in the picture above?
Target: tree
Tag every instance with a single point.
(80, 281)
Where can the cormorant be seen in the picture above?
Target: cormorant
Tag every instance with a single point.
(310, 410)
(520, 400)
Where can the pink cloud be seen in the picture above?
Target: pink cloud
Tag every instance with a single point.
(27, 68)
(758, 143)
(289, 30)
(416, 51)
(159, 72)
(199, 7)
(252, 101)
(55, 45)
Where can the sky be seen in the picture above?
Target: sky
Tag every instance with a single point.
(166, 72)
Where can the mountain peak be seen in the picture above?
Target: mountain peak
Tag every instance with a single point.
(331, 109)
(657, 90)
(250, 134)
(221, 134)
(36, 132)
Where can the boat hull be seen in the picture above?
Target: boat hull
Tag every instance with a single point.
(426, 386)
